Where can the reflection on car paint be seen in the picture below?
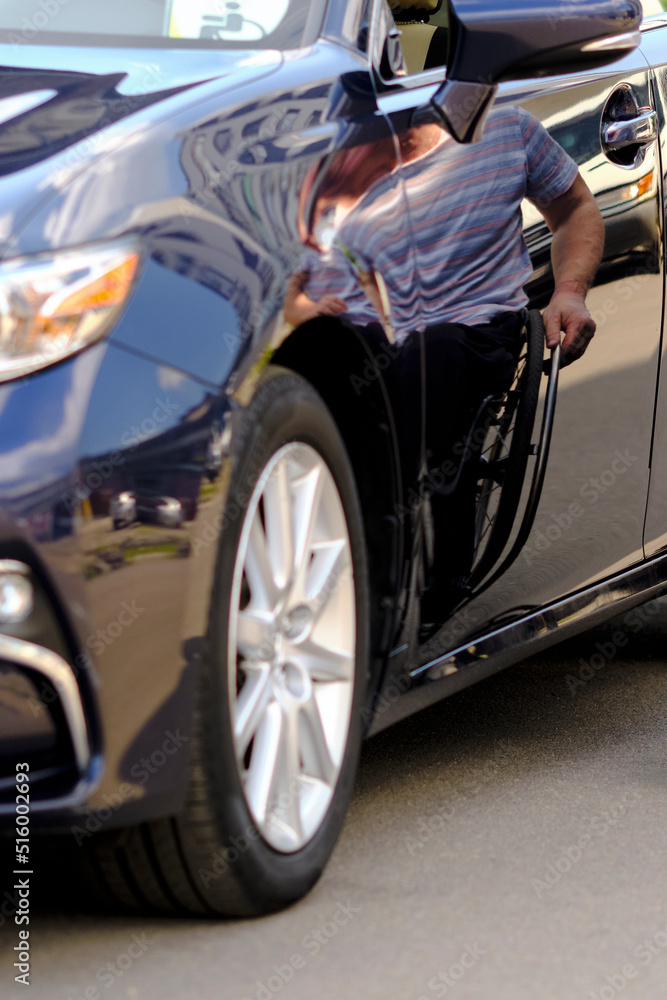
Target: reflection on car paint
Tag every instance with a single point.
(232, 189)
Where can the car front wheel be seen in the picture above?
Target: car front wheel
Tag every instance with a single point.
(278, 722)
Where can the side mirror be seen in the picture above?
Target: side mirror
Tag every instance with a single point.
(489, 43)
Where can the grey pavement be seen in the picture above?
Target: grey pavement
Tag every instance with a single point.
(508, 843)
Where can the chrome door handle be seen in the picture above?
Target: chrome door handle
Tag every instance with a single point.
(639, 131)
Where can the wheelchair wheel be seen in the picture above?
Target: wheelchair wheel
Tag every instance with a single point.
(509, 420)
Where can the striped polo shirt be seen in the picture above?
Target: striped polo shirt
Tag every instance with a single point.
(457, 224)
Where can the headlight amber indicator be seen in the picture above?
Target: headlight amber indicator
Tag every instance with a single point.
(53, 306)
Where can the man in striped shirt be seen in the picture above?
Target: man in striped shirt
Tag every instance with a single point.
(457, 224)
(447, 242)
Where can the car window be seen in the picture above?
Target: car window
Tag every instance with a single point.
(364, 25)
(349, 22)
(424, 33)
(163, 23)
(651, 7)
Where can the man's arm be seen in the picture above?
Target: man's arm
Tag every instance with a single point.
(576, 251)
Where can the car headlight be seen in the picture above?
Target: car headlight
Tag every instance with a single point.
(53, 305)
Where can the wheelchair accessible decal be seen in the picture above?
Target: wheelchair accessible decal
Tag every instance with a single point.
(226, 20)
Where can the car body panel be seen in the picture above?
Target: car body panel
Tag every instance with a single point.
(129, 588)
(591, 516)
(212, 176)
(219, 245)
(655, 537)
(604, 530)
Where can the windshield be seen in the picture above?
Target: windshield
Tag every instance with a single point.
(156, 23)
(651, 7)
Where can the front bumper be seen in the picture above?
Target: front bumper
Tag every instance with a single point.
(97, 685)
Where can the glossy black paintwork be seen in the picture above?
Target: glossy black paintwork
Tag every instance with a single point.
(530, 38)
(204, 191)
(202, 156)
(591, 517)
(655, 536)
(106, 422)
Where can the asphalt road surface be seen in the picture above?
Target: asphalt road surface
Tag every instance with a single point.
(508, 843)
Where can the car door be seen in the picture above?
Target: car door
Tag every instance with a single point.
(301, 172)
(589, 523)
(397, 53)
(589, 520)
(655, 538)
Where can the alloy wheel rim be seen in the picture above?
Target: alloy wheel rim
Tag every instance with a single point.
(292, 645)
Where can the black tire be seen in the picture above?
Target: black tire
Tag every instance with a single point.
(507, 450)
(210, 859)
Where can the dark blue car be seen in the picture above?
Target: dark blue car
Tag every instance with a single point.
(216, 527)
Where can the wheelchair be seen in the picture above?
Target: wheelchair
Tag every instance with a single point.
(512, 438)
(506, 452)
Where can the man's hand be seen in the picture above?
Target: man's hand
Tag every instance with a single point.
(567, 313)
(328, 305)
(299, 308)
(576, 250)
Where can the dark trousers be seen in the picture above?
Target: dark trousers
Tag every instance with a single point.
(437, 393)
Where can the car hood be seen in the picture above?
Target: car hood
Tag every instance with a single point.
(53, 98)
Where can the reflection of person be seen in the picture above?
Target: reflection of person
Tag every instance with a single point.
(328, 196)
(463, 225)
(299, 308)
(460, 231)
(464, 204)
(333, 281)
